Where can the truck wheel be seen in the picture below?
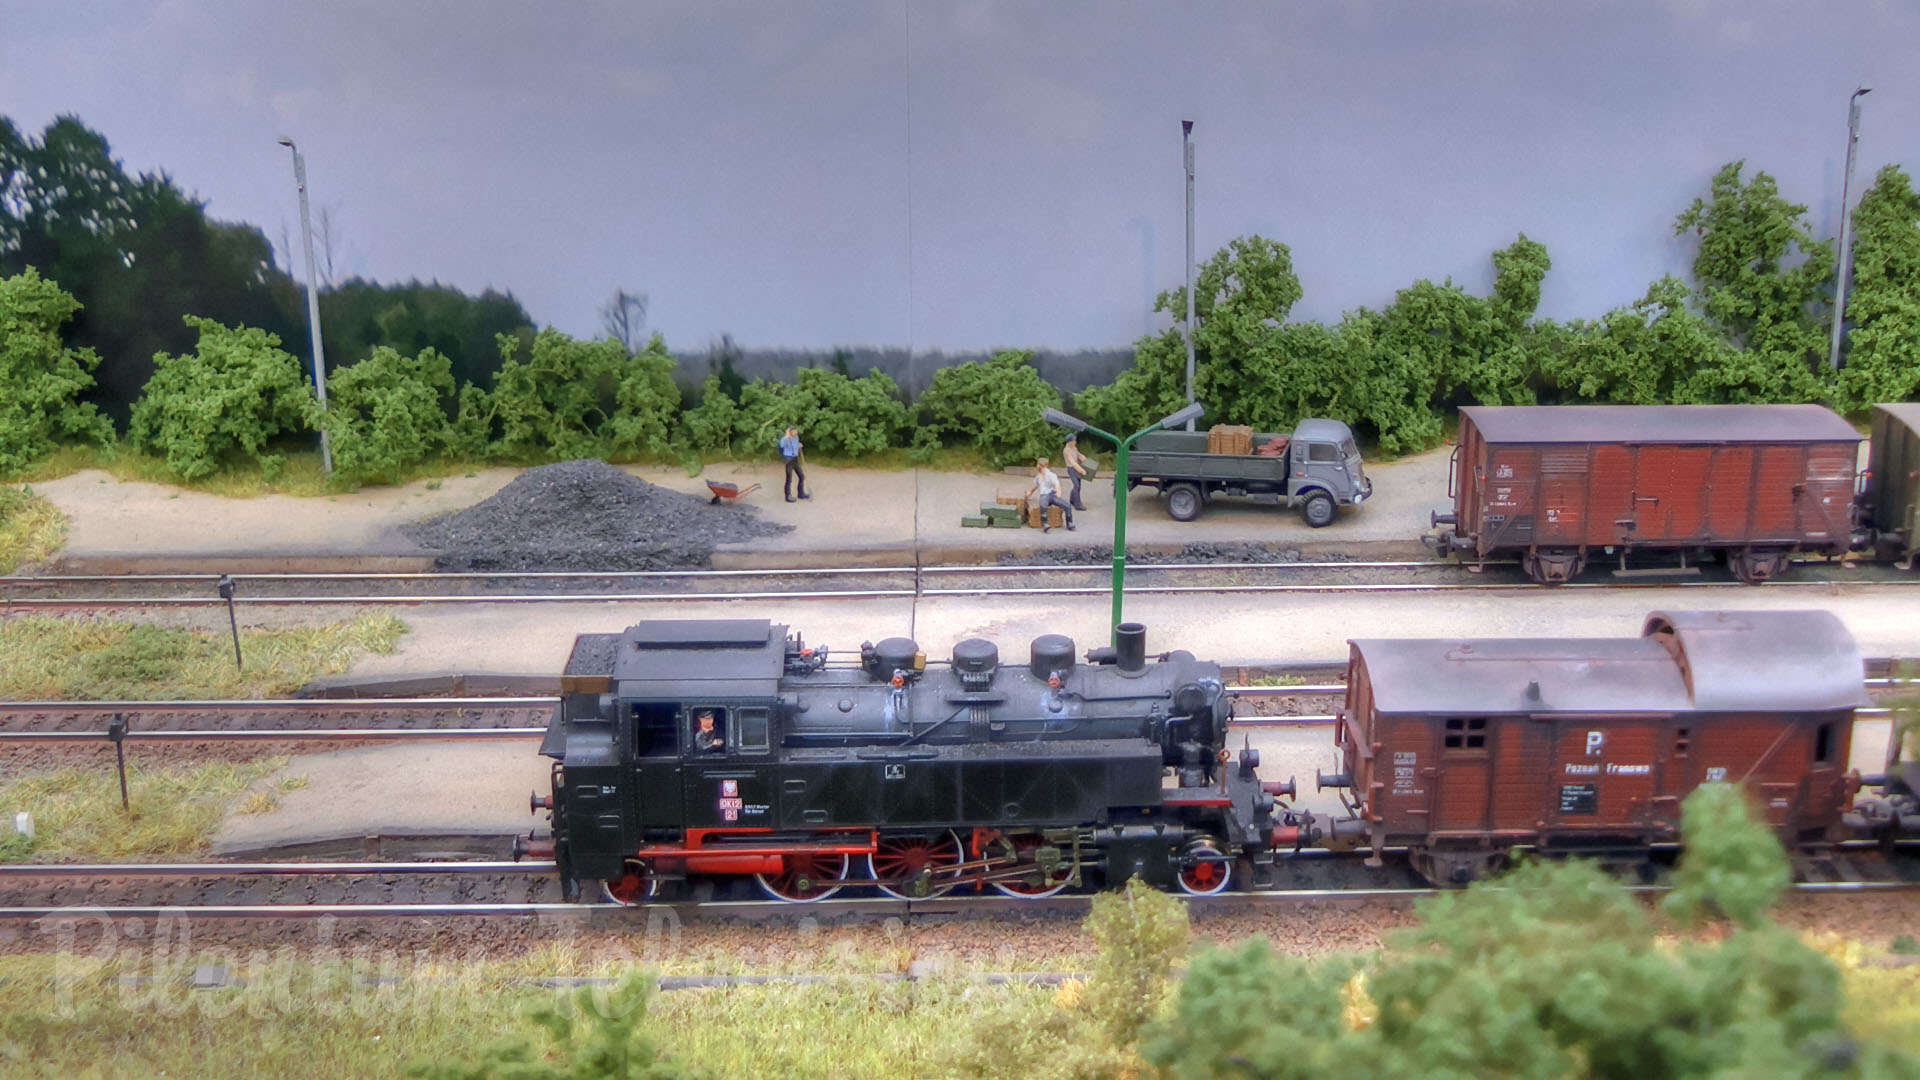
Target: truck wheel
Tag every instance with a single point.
(1319, 510)
(1184, 502)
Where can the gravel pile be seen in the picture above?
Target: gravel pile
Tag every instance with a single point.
(1235, 551)
(586, 515)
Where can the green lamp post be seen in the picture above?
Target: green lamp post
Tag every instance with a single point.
(1060, 419)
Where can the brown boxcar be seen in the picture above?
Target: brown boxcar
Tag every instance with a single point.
(1890, 506)
(1552, 485)
(1462, 749)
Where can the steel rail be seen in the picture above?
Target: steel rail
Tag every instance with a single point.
(283, 735)
(457, 734)
(987, 905)
(253, 869)
(280, 705)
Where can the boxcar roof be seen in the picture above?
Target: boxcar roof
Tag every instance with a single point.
(1906, 412)
(1659, 423)
(1685, 662)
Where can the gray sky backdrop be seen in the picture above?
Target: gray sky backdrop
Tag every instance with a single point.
(971, 174)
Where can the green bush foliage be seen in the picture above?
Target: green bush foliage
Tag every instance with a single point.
(1761, 280)
(221, 403)
(1732, 865)
(709, 425)
(994, 406)
(590, 1035)
(40, 406)
(836, 415)
(1090, 1030)
(572, 399)
(1882, 361)
(1554, 971)
(386, 414)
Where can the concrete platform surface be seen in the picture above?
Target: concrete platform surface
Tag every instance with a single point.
(438, 791)
(117, 526)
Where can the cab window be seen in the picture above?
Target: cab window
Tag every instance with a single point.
(752, 730)
(1322, 452)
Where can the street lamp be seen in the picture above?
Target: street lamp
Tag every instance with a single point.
(313, 299)
(1186, 153)
(1846, 225)
(1059, 419)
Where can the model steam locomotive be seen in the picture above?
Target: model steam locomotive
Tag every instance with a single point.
(728, 748)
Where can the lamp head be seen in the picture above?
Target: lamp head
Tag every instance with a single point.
(285, 140)
(1864, 89)
(1191, 412)
(1060, 419)
(1186, 127)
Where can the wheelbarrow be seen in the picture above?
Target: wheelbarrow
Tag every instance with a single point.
(728, 490)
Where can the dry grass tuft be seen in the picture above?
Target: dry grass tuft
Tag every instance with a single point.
(31, 529)
(172, 811)
(51, 658)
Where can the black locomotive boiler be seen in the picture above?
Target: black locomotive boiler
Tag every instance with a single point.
(714, 748)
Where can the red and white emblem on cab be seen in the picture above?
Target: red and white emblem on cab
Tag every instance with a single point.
(729, 789)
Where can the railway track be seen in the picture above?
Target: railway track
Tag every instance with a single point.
(456, 718)
(26, 593)
(292, 890)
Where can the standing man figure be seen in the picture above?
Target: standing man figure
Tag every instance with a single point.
(1046, 488)
(1076, 466)
(790, 453)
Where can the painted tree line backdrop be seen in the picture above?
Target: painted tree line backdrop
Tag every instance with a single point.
(126, 313)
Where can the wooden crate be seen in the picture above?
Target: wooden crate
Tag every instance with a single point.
(1230, 439)
(1055, 517)
(1010, 496)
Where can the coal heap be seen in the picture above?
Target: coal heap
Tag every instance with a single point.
(586, 515)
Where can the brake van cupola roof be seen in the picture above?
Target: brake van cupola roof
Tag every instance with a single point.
(1659, 424)
(1685, 662)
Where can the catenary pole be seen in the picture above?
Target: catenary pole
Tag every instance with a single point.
(1186, 153)
(1846, 228)
(313, 299)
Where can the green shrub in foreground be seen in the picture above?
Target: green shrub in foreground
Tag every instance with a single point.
(222, 402)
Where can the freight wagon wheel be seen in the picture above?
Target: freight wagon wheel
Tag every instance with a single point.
(920, 867)
(1319, 510)
(1209, 873)
(1184, 502)
(800, 878)
(634, 886)
(1034, 883)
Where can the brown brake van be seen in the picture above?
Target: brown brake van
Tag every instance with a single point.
(1461, 749)
(1555, 485)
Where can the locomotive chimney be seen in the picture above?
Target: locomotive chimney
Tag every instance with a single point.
(1130, 646)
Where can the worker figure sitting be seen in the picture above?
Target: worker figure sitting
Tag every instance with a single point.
(1045, 492)
(706, 738)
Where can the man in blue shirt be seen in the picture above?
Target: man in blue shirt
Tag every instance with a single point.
(790, 453)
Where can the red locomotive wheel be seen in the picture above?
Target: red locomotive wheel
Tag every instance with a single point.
(1033, 884)
(799, 881)
(1210, 873)
(635, 886)
(904, 859)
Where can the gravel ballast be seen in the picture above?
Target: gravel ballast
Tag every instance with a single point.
(586, 515)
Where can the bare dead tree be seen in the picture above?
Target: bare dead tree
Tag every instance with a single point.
(624, 317)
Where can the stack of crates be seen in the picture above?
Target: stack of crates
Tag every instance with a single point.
(1230, 439)
(1007, 511)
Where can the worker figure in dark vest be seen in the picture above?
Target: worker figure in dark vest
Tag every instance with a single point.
(1076, 466)
(790, 453)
